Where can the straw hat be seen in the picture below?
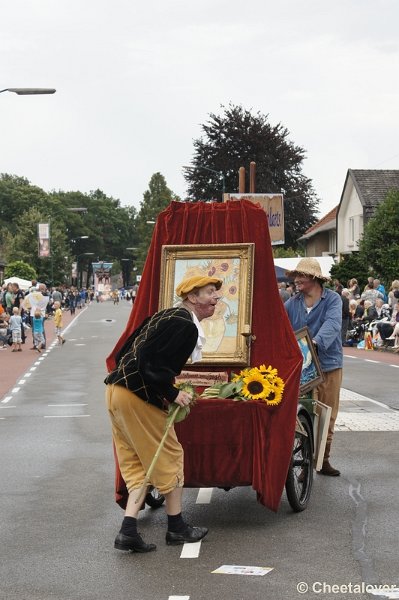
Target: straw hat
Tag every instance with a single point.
(198, 281)
(310, 267)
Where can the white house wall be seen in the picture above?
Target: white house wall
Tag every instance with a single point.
(350, 211)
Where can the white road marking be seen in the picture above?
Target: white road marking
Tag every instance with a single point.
(63, 416)
(21, 382)
(15, 390)
(191, 550)
(33, 369)
(179, 598)
(204, 496)
(80, 344)
(8, 407)
(377, 362)
(73, 404)
(6, 399)
(27, 375)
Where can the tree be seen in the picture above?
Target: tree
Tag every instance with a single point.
(351, 265)
(155, 200)
(380, 243)
(281, 252)
(107, 228)
(21, 269)
(236, 138)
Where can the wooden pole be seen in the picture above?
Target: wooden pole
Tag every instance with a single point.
(252, 177)
(241, 180)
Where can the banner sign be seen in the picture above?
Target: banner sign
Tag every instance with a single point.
(74, 270)
(43, 234)
(273, 205)
(102, 277)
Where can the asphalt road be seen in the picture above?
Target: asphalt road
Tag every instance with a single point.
(59, 519)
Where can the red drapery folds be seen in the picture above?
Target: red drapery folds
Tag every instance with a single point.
(259, 435)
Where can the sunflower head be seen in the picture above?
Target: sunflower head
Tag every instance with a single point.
(268, 371)
(276, 392)
(255, 386)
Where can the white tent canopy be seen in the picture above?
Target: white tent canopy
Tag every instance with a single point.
(24, 284)
(289, 264)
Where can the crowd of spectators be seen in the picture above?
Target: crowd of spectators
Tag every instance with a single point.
(374, 310)
(18, 309)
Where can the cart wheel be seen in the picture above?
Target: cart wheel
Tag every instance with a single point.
(154, 498)
(300, 473)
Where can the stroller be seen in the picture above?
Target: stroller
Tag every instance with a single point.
(355, 333)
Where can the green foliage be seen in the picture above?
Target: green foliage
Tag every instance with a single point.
(236, 138)
(21, 269)
(351, 265)
(380, 243)
(108, 228)
(155, 200)
(281, 252)
(24, 246)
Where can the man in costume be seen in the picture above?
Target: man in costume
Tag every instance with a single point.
(138, 393)
(320, 310)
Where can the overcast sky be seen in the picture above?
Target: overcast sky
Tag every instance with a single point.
(136, 79)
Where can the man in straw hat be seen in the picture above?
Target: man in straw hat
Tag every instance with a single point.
(138, 393)
(320, 310)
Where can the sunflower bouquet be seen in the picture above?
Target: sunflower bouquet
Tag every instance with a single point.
(254, 383)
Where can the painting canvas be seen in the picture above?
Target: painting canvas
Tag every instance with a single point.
(311, 374)
(233, 264)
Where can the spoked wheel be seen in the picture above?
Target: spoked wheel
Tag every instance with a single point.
(154, 498)
(300, 473)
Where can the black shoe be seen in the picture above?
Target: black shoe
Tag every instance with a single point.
(190, 534)
(135, 544)
(327, 469)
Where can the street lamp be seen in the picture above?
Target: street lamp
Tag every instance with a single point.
(126, 272)
(220, 173)
(29, 91)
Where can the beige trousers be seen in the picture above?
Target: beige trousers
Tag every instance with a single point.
(328, 393)
(137, 429)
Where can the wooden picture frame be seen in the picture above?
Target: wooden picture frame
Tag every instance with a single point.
(227, 330)
(311, 374)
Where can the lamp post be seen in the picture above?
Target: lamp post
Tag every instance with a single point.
(220, 173)
(29, 91)
(126, 275)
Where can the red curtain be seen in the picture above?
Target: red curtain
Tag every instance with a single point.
(275, 344)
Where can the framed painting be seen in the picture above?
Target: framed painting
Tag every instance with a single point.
(227, 330)
(311, 374)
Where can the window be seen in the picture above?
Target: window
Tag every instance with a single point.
(351, 239)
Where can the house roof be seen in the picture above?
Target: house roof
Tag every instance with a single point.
(324, 224)
(372, 186)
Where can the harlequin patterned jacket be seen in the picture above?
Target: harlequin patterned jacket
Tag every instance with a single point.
(154, 354)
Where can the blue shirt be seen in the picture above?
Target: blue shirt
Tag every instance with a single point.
(324, 323)
(37, 325)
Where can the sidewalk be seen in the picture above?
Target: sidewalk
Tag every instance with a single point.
(15, 364)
